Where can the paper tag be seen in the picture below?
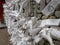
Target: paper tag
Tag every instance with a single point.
(50, 22)
(49, 9)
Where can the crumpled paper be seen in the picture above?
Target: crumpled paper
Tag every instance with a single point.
(30, 31)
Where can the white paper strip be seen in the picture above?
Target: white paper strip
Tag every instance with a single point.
(45, 33)
(49, 9)
(50, 22)
(37, 38)
(55, 32)
(34, 31)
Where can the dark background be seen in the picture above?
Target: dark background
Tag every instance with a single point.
(1, 9)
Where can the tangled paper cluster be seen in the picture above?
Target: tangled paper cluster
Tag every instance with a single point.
(25, 30)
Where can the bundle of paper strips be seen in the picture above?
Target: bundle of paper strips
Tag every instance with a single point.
(29, 30)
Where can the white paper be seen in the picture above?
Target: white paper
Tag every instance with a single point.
(38, 1)
(50, 22)
(49, 9)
